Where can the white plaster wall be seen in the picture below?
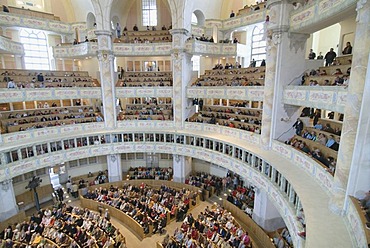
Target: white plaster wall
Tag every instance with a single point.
(326, 38)
(81, 9)
(90, 65)
(203, 166)
(211, 10)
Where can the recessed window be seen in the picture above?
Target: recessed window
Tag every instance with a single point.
(35, 49)
(149, 8)
(258, 43)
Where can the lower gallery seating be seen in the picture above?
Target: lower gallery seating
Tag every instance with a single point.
(33, 115)
(145, 79)
(63, 226)
(320, 139)
(245, 115)
(146, 109)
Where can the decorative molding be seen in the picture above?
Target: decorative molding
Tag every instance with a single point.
(297, 41)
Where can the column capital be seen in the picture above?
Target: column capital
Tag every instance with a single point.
(179, 31)
(272, 3)
(103, 32)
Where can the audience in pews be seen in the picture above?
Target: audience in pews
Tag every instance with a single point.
(156, 173)
(214, 227)
(146, 205)
(63, 226)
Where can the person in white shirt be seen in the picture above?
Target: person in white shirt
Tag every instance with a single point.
(11, 85)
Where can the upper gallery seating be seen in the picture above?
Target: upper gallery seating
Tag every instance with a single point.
(337, 74)
(237, 115)
(251, 76)
(27, 79)
(32, 13)
(149, 36)
(147, 109)
(145, 79)
(251, 8)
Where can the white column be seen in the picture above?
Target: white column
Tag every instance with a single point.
(114, 167)
(181, 68)
(285, 53)
(181, 168)
(352, 171)
(8, 204)
(107, 81)
(265, 213)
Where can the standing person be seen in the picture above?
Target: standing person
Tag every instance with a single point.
(347, 49)
(298, 125)
(118, 30)
(232, 14)
(320, 56)
(329, 57)
(311, 55)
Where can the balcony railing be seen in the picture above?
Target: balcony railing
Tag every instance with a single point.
(23, 95)
(332, 98)
(216, 49)
(250, 93)
(10, 47)
(319, 13)
(74, 51)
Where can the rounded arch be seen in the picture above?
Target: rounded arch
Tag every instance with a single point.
(114, 20)
(200, 17)
(90, 20)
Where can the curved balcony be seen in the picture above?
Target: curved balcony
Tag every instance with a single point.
(215, 49)
(75, 51)
(250, 93)
(309, 191)
(144, 92)
(22, 95)
(320, 14)
(10, 47)
(142, 49)
(24, 21)
(332, 98)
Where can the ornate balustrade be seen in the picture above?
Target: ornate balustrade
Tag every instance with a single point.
(22, 95)
(332, 98)
(249, 93)
(216, 49)
(144, 92)
(142, 49)
(24, 21)
(300, 159)
(314, 16)
(10, 47)
(74, 51)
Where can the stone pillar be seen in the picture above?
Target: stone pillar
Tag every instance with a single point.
(107, 81)
(265, 214)
(114, 167)
(353, 155)
(181, 69)
(8, 204)
(284, 62)
(181, 168)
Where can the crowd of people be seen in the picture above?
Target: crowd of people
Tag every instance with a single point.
(146, 205)
(156, 173)
(49, 80)
(214, 227)
(63, 226)
(34, 119)
(145, 79)
(232, 75)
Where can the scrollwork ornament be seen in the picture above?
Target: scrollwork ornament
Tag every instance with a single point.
(276, 38)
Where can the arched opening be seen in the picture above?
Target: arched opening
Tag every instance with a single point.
(198, 18)
(90, 20)
(115, 19)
